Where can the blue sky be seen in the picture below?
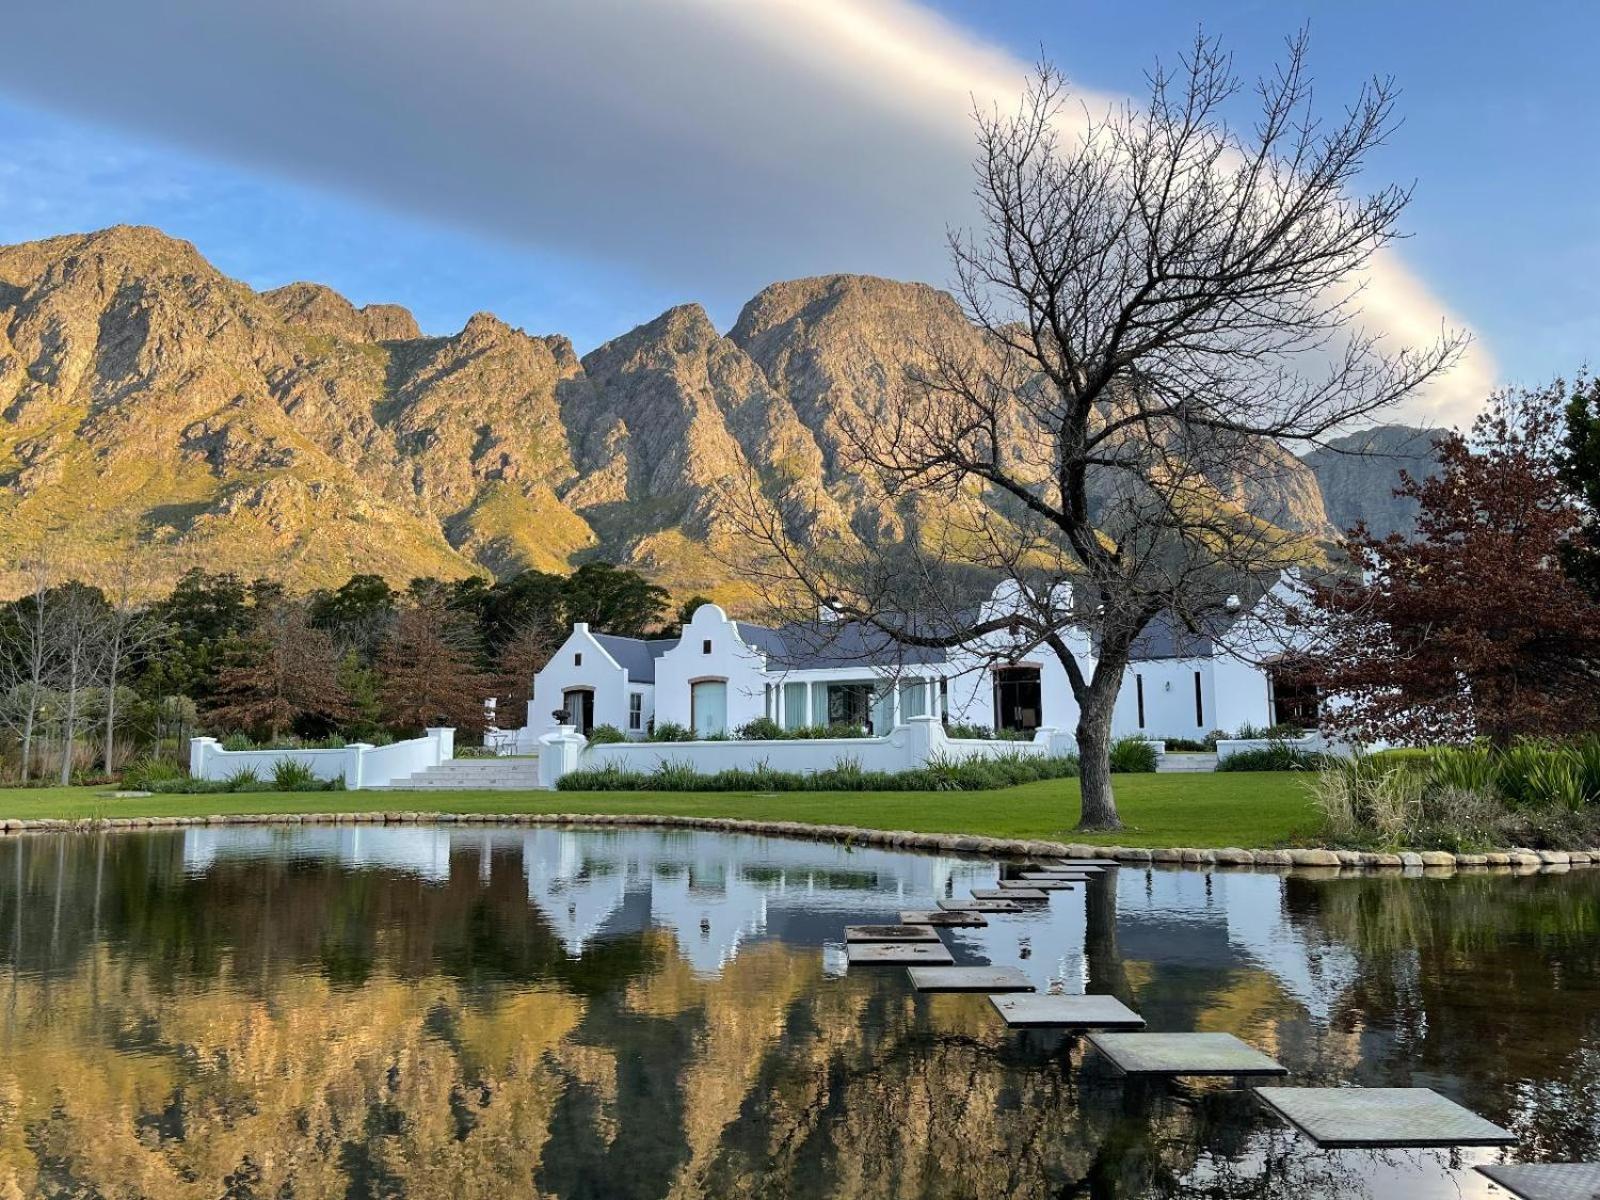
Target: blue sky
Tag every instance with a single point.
(578, 168)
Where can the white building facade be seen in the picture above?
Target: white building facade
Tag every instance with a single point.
(721, 674)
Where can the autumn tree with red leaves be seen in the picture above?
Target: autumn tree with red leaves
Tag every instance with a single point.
(428, 670)
(1471, 628)
(279, 677)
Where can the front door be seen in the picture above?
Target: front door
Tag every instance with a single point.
(579, 703)
(708, 707)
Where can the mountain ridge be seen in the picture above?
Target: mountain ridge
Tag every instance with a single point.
(155, 411)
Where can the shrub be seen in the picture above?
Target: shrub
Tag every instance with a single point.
(245, 779)
(671, 731)
(606, 735)
(1132, 756)
(846, 775)
(1279, 756)
(986, 734)
(762, 729)
(294, 775)
(238, 741)
(144, 773)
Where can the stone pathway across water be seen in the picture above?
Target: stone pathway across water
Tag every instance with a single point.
(1334, 1118)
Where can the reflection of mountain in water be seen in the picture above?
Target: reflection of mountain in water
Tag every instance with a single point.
(502, 1012)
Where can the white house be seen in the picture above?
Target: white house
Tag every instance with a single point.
(723, 673)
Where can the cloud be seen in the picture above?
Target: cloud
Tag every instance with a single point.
(708, 145)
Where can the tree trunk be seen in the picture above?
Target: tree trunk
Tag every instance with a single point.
(27, 732)
(70, 729)
(112, 666)
(1094, 756)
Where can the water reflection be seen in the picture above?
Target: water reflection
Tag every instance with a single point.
(360, 1011)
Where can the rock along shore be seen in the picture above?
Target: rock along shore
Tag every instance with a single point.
(1428, 862)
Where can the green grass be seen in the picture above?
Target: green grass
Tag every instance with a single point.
(1249, 809)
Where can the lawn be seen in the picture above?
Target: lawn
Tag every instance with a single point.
(1248, 809)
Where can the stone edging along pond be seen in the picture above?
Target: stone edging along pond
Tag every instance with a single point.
(1431, 861)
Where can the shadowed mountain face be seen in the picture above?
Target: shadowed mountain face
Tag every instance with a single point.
(146, 400)
(1359, 472)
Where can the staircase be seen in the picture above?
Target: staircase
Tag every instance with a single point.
(1172, 761)
(475, 774)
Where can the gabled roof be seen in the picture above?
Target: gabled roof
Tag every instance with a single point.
(1169, 637)
(819, 645)
(635, 655)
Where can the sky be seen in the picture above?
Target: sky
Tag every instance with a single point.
(579, 167)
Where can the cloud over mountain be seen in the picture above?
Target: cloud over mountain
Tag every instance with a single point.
(710, 144)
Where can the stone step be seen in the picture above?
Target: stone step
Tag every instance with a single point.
(1186, 762)
(475, 774)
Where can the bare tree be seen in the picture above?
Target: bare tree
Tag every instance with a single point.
(1161, 304)
(27, 658)
(77, 632)
(130, 631)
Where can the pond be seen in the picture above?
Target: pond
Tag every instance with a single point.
(504, 1012)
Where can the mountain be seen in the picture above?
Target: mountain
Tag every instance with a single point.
(155, 412)
(1357, 475)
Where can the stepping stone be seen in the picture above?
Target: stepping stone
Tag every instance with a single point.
(897, 954)
(1066, 1012)
(1044, 883)
(1061, 876)
(1174, 1054)
(1019, 889)
(981, 906)
(969, 979)
(1344, 1118)
(1011, 895)
(1547, 1181)
(937, 916)
(889, 933)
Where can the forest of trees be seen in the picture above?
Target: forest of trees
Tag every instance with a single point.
(91, 677)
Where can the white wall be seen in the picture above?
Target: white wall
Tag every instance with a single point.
(360, 765)
(730, 659)
(918, 742)
(599, 671)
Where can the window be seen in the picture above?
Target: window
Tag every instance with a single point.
(577, 659)
(1138, 691)
(1199, 704)
(1017, 699)
(1292, 701)
(705, 646)
(635, 710)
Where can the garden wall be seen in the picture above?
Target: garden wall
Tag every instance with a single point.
(360, 765)
(918, 742)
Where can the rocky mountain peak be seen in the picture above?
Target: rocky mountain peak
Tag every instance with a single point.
(291, 433)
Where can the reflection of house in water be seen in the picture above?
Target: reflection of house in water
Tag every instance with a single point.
(416, 850)
(1228, 919)
(713, 891)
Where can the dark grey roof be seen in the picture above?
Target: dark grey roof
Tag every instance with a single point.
(636, 655)
(819, 645)
(1169, 637)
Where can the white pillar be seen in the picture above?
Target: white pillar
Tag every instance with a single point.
(199, 750)
(894, 706)
(558, 754)
(811, 712)
(355, 766)
(777, 708)
(444, 743)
